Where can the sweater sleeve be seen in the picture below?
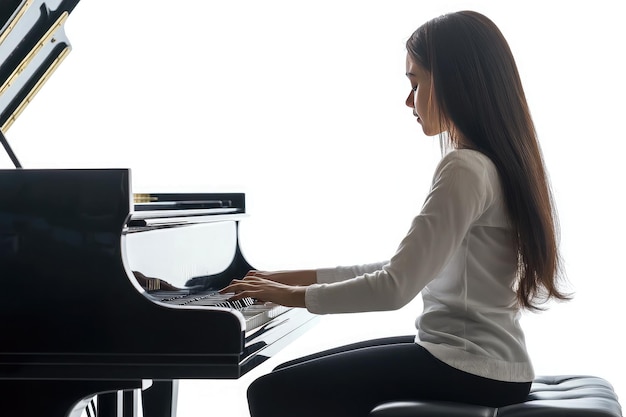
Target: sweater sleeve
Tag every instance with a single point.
(459, 194)
(342, 273)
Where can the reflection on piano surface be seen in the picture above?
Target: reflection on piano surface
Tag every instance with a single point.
(69, 242)
(103, 293)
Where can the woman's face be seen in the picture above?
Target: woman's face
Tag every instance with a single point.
(420, 98)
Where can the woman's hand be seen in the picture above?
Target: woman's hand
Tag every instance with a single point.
(266, 290)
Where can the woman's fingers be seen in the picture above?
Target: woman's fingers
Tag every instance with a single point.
(267, 291)
(244, 294)
(238, 285)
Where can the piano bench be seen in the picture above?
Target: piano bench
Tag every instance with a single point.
(550, 396)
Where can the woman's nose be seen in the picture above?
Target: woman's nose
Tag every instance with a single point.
(409, 100)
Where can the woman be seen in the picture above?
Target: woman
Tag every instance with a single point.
(483, 248)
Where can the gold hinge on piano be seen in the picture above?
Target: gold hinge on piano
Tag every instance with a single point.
(144, 198)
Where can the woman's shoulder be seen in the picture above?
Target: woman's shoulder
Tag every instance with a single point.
(469, 170)
(467, 160)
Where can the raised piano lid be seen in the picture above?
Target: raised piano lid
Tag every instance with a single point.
(32, 45)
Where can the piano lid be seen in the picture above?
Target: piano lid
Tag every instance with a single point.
(32, 45)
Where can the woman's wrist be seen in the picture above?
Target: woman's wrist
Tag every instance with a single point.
(298, 296)
(304, 277)
(307, 277)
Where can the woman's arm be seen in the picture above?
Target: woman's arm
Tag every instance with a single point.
(303, 277)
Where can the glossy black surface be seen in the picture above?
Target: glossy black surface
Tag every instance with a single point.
(72, 308)
(70, 299)
(61, 251)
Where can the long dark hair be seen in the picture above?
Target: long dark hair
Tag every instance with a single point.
(477, 88)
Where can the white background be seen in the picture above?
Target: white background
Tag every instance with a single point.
(301, 106)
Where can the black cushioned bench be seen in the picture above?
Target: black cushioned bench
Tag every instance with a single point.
(550, 396)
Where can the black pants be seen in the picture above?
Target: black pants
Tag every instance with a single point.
(351, 380)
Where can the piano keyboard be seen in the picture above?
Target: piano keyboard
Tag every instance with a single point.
(256, 313)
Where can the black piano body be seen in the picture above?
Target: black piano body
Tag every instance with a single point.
(102, 294)
(73, 312)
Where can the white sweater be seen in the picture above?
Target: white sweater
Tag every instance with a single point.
(460, 255)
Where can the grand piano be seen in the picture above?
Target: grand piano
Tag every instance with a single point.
(106, 293)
